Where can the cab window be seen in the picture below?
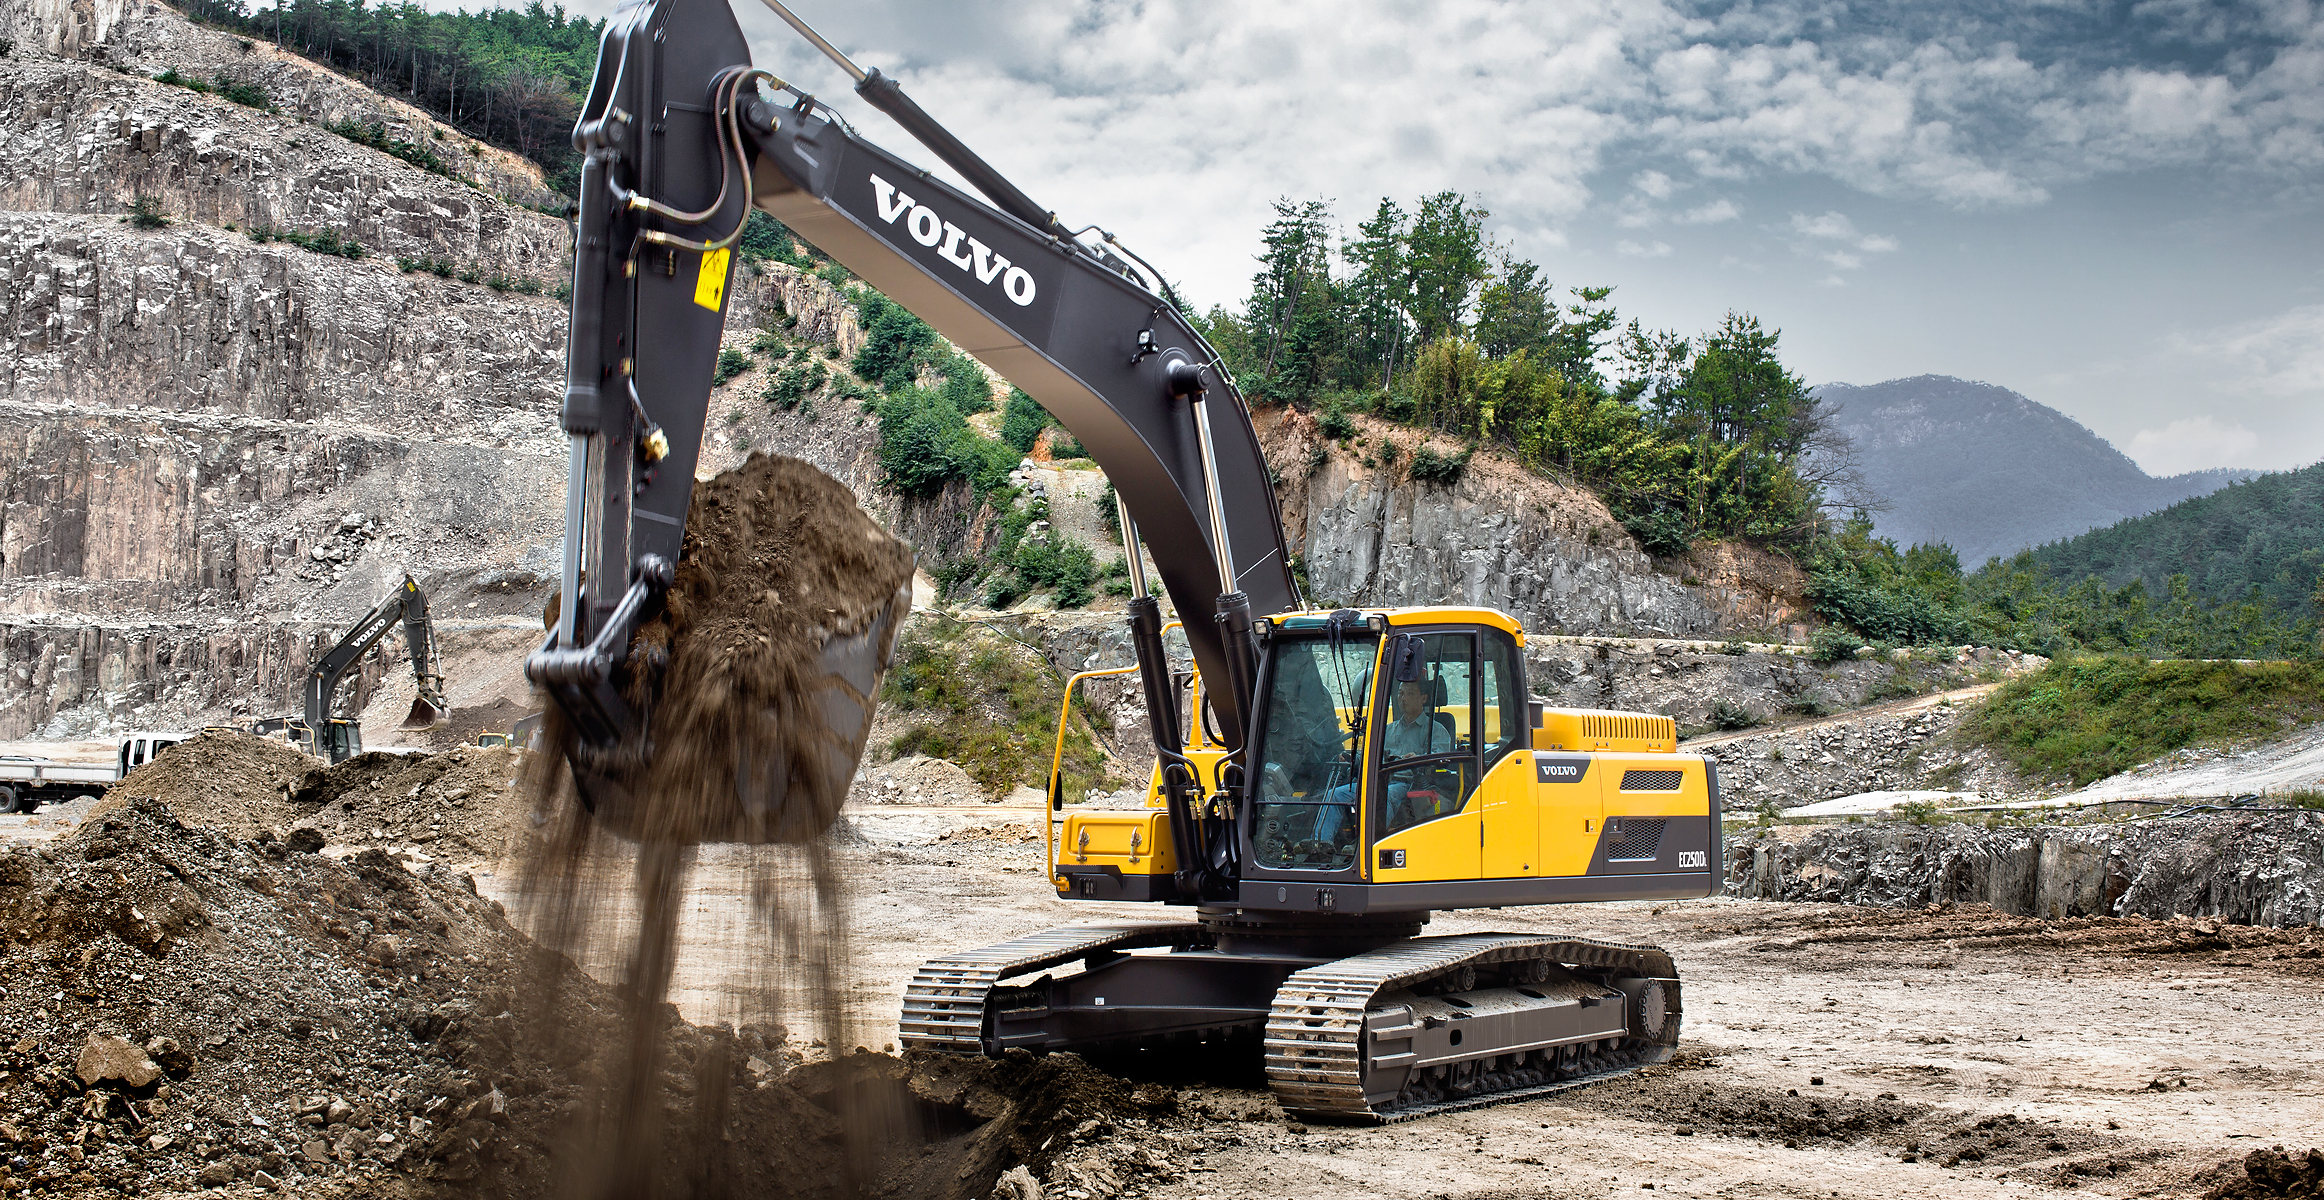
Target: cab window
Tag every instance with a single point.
(1428, 759)
(1506, 719)
(1317, 691)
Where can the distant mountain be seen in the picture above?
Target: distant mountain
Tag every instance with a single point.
(2267, 533)
(1991, 472)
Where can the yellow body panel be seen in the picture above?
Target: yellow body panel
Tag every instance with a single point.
(1588, 729)
(1445, 848)
(1135, 843)
(1516, 826)
(1511, 807)
(1690, 799)
(1572, 816)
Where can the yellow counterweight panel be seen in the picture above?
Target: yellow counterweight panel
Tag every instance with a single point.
(1655, 785)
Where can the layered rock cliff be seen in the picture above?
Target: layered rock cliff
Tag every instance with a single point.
(220, 451)
(1550, 555)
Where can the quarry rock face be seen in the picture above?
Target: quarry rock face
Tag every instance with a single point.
(148, 39)
(2245, 869)
(64, 27)
(193, 419)
(1500, 537)
(82, 138)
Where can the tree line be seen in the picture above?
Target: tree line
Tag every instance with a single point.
(1418, 316)
(1920, 596)
(510, 76)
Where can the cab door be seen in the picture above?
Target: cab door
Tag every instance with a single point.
(1507, 800)
(1430, 828)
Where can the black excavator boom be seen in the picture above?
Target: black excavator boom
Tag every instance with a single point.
(681, 137)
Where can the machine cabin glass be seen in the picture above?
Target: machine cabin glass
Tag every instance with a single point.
(1317, 691)
(1428, 756)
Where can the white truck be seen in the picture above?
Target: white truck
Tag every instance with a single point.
(28, 781)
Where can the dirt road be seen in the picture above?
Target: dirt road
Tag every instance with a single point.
(1953, 1054)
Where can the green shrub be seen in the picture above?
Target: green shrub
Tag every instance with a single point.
(965, 386)
(145, 213)
(2081, 720)
(1832, 644)
(1438, 470)
(1662, 532)
(1727, 716)
(375, 136)
(249, 95)
(791, 386)
(731, 362)
(171, 77)
(894, 342)
(1062, 565)
(1022, 421)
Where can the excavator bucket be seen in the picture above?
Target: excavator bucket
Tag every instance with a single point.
(424, 715)
(754, 682)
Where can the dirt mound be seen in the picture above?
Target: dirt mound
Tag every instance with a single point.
(236, 782)
(187, 1009)
(460, 804)
(2270, 1174)
(461, 728)
(759, 672)
(1985, 927)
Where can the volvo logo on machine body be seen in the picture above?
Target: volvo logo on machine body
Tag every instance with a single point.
(1560, 770)
(952, 243)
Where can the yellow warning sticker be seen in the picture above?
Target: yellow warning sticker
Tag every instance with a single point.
(710, 286)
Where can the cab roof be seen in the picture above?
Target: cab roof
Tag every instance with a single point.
(1391, 617)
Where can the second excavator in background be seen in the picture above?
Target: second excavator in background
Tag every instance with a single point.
(1326, 779)
(337, 739)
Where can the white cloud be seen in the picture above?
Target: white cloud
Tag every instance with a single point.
(1834, 239)
(1530, 105)
(2281, 356)
(1630, 249)
(1710, 214)
(2192, 444)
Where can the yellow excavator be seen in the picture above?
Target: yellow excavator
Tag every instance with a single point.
(1326, 780)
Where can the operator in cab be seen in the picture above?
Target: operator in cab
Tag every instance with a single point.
(1414, 728)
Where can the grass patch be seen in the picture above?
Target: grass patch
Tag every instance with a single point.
(2081, 720)
(988, 704)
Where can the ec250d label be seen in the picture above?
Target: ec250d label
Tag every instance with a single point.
(1694, 858)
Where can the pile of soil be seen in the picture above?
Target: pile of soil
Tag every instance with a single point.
(775, 631)
(2274, 1174)
(236, 782)
(463, 724)
(1983, 926)
(460, 804)
(185, 1008)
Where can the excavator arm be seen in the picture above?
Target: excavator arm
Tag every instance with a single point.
(681, 136)
(409, 605)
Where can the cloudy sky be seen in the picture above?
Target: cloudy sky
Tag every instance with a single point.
(2112, 207)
